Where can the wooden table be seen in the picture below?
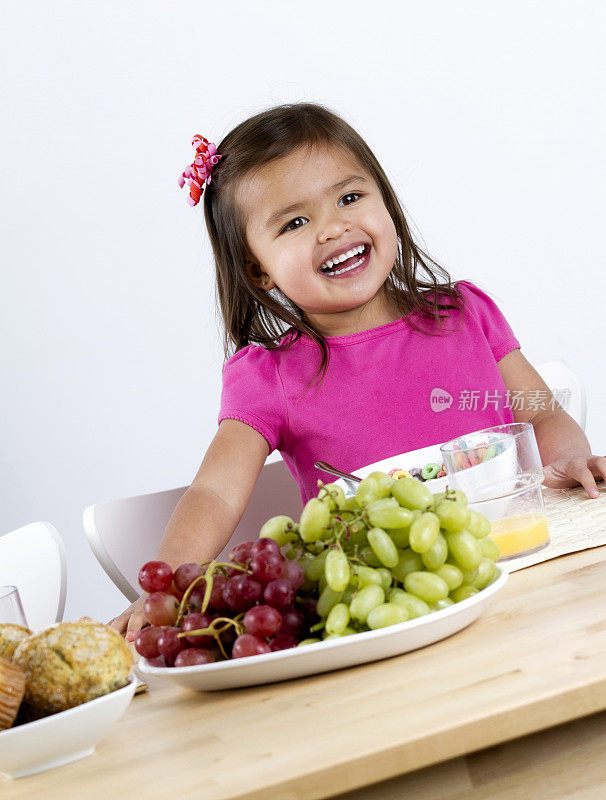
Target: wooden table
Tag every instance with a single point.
(534, 660)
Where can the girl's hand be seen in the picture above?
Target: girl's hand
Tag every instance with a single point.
(130, 621)
(574, 469)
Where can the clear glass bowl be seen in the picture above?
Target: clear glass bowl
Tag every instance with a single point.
(499, 469)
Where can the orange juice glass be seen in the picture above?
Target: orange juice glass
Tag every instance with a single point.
(499, 470)
(525, 533)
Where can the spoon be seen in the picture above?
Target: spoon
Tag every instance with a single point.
(352, 480)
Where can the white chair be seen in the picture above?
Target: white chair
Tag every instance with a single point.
(32, 558)
(567, 388)
(124, 534)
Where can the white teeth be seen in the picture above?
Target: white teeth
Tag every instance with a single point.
(353, 266)
(343, 257)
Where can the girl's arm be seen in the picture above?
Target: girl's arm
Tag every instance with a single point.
(565, 451)
(209, 511)
(207, 514)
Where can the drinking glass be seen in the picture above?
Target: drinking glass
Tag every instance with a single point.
(499, 469)
(11, 609)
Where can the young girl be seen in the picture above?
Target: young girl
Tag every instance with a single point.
(350, 343)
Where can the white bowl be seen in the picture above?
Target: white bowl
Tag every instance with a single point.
(62, 737)
(498, 468)
(414, 458)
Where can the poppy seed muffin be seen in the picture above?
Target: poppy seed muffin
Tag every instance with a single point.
(71, 663)
(10, 636)
(12, 687)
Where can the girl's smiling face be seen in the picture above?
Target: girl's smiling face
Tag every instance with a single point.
(298, 211)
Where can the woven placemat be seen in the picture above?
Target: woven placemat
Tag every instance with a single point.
(576, 522)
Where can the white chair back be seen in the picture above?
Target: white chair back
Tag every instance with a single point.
(566, 387)
(124, 534)
(32, 558)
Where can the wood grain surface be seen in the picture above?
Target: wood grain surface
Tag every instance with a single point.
(535, 659)
(561, 763)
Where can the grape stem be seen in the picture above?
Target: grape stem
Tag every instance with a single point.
(233, 564)
(208, 575)
(188, 591)
(196, 581)
(215, 631)
(229, 621)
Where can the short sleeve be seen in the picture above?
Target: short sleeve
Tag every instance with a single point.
(495, 327)
(252, 392)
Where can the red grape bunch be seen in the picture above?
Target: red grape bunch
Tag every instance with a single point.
(202, 613)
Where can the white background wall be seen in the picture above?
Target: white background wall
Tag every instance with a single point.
(488, 117)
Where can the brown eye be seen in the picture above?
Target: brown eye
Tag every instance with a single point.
(351, 194)
(286, 227)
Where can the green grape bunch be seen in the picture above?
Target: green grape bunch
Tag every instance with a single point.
(392, 552)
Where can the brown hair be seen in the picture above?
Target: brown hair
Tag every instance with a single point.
(252, 315)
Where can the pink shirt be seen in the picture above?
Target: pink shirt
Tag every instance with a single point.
(387, 390)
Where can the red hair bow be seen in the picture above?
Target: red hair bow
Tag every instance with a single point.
(199, 170)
